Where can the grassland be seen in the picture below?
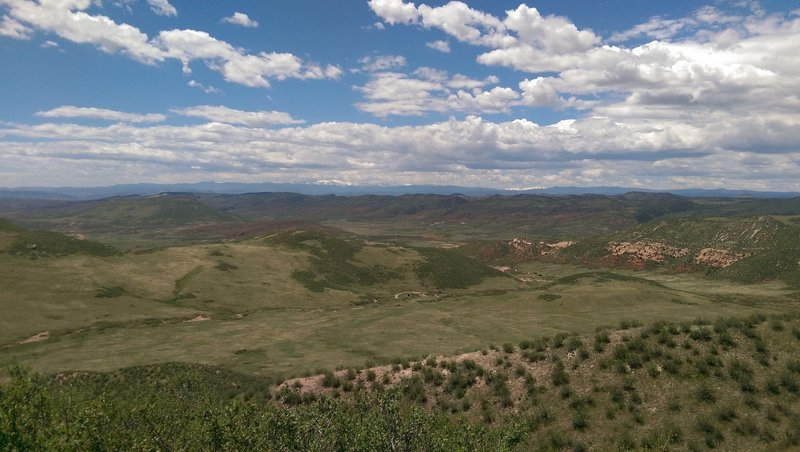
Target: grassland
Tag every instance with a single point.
(254, 312)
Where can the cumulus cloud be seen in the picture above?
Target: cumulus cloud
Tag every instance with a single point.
(162, 7)
(70, 20)
(69, 111)
(227, 115)
(395, 11)
(524, 39)
(392, 93)
(374, 63)
(240, 19)
(442, 46)
(13, 29)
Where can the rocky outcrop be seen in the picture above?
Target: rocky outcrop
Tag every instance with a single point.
(646, 251)
(715, 257)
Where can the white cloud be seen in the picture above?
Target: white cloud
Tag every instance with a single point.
(381, 62)
(13, 29)
(395, 11)
(432, 90)
(48, 44)
(656, 27)
(442, 46)
(208, 89)
(722, 63)
(524, 39)
(70, 20)
(240, 19)
(69, 111)
(227, 115)
(162, 7)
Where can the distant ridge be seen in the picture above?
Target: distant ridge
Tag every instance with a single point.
(145, 189)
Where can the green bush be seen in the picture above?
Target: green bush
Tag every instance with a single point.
(558, 375)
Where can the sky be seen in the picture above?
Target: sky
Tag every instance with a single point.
(487, 93)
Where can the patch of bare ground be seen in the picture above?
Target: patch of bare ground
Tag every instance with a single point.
(409, 294)
(521, 369)
(527, 248)
(37, 337)
(199, 318)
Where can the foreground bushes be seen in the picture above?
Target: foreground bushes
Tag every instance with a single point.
(43, 415)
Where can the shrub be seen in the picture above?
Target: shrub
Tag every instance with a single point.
(558, 340)
(746, 427)
(711, 433)
(726, 340)
(700, 334)
(574, 343)
(329, 380)
(705, 394)
(559, 375)
(580, 421)
(565, 392)
(725, 413)
(740, 371)
(789, 381)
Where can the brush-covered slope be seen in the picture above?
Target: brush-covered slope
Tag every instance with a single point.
(730, 384)
(744, 249)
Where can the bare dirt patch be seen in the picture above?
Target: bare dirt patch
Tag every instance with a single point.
(715, 257)
(648, 251)
(199, 318)
(37, 337)
(409, 294)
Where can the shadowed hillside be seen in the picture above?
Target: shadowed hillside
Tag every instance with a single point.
(18, 241)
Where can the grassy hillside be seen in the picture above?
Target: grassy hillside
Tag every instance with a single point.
(166, 209)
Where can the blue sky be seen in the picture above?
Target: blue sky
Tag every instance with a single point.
(491, 93)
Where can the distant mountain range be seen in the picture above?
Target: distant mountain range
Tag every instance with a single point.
(86, 193)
